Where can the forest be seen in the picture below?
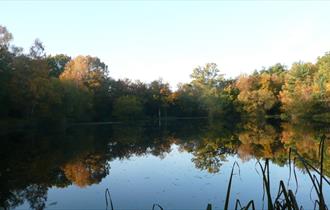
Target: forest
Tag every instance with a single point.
(38, 87)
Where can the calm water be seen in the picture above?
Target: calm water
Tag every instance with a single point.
(179, 165)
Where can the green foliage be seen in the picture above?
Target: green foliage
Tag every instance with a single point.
(213, 89)
(160, 97)
(297, 95)
(128, 108)
(186, 102)
(207, 76)
(77, 102)
(57, 64)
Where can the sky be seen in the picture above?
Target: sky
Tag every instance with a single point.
(147, 40)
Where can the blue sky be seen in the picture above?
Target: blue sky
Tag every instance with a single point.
(150, 39)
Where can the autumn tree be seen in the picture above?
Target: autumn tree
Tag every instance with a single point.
(297, 95)
(89, 73)
(259, 93)
(85, 70)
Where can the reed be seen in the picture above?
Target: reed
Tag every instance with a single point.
(229, 184)
(285, 198)
(157, 205)
(108, 196)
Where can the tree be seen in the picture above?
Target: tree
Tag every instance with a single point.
(160, 93)
(89, 72)
(297, 96)
(6, 59)
(209, 82)
(57, 64)
(259, 93)
(207, 77)
(37, 50)
(128, 108)
(85, 70)
(186, 102)
(5, 37)
(28, 85)
(321, 86)
(76, 102)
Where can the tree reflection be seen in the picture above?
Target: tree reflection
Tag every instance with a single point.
(305, 139)
(86, 170)
(258, 140)
(32, 162)
(210, 155)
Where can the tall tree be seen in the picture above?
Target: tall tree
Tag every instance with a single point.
(57, 64)
(37, 50)
(5, 37)
(259, 93)
(85, 70)
(160, 92)
(297, 93)
(89, 72)
(209, 82)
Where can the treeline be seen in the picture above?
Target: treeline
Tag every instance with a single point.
(57, 87)
(47, 87)
(301, 92)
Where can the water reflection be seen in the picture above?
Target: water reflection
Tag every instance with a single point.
(33, 162)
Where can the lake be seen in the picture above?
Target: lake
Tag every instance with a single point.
(178, 164)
